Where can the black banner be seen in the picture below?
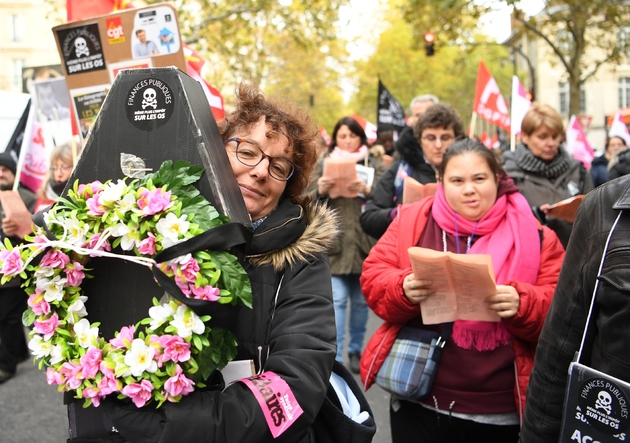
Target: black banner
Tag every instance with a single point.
(391, 114)
(15, 144)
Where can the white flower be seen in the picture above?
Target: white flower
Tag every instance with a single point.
(127, 203)
(86, 335)
(52, 288)
(78, 308)
(76, 231)
(112, 192)
(140, 358)
(56, 355)
(187, 322)
(181, 260)
(128, 235)
(120, 367)
(171, 227)
(160, 314)
(39, 348)
(44, 271)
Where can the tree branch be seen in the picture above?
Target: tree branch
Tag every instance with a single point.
(539, 33)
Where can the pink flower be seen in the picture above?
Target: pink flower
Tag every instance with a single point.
(152, 202)
(108, 383)
(95, 394)
(139, 393)
(125, 334)
(182, 285)
(90, 362)
(208, 293)
(175, 349)
(47, 327)
(178, 384)
(147, 246)
(90, 189)
(53, 377)
(189, 269)
(12, 263)
(72, 373)
(40, 239)
(94, 205)
(38, 304)
(91, 244)
(55, 259)
(74, 274)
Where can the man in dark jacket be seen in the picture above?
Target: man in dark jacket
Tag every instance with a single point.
(421, 150)
(607, 347)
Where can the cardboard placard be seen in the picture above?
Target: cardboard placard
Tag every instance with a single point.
(94, 51)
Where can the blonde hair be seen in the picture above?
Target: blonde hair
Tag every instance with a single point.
(542, 115)
(60, 152)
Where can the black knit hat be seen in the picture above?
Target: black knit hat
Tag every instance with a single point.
(6, 160)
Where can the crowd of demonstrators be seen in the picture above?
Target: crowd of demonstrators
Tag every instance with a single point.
(583, 276)
(13, 298)
(290, 332)
(477, 209)
(419, 156)
(61, 165)
(543, 170)
(600, 165)
(348, 141)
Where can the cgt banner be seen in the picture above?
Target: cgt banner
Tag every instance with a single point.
(489, 103)
(391, 114)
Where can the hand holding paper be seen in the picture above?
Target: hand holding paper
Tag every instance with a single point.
(461, 284)
(341, 173)
(17, 220)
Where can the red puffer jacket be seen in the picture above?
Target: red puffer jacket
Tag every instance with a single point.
(387, 265)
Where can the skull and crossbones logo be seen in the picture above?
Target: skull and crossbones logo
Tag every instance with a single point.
(149, 98)
(604, 401)
(81, 47)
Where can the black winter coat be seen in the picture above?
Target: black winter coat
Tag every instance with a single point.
(375, 219)
(599, 170)
(622, 167)
(290, 331)
(608, 346)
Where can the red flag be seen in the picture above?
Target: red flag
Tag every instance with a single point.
(494, 143)
(486, 140)
(194, 63)
(489, 103)
(368, 127)
(82, 9)
(324, 135)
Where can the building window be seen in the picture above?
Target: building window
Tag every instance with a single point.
(16, 26)
(16, 74)
(624, 92)
(564, 98)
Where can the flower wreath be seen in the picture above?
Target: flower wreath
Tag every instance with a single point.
(161, 357)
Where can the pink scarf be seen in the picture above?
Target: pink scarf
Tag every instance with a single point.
(510, 235)
(357, 155)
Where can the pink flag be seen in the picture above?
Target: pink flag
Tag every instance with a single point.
(369, 128)
(33, 163)
(619, 129)
(577, 143)
(324, 135)
(520, 105)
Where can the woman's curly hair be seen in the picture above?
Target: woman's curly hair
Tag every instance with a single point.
(283, 117)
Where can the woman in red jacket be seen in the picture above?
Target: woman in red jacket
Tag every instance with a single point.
(478, 393)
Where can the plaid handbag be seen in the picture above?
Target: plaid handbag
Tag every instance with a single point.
(410, 366)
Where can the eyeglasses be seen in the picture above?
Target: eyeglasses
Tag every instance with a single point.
(251, 155)
(62, 168)
(444, 138)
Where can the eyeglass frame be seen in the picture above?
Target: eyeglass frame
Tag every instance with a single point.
(62, 168)
(240, 140)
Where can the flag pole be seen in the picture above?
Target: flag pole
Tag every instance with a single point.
(512, 140)
(473, 122)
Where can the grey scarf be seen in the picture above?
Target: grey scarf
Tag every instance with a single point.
(551, 170)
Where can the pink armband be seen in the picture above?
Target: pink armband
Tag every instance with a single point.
(276, 400)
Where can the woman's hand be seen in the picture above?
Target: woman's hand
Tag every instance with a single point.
(545, 208)
(505, 302)
(360, 186)
(417, 290)
(324, 184)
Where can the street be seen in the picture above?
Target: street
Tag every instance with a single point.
(32, 411)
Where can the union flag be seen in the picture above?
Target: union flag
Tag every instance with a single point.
(82, 9)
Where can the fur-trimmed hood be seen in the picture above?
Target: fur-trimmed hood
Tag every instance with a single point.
(293, 234)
